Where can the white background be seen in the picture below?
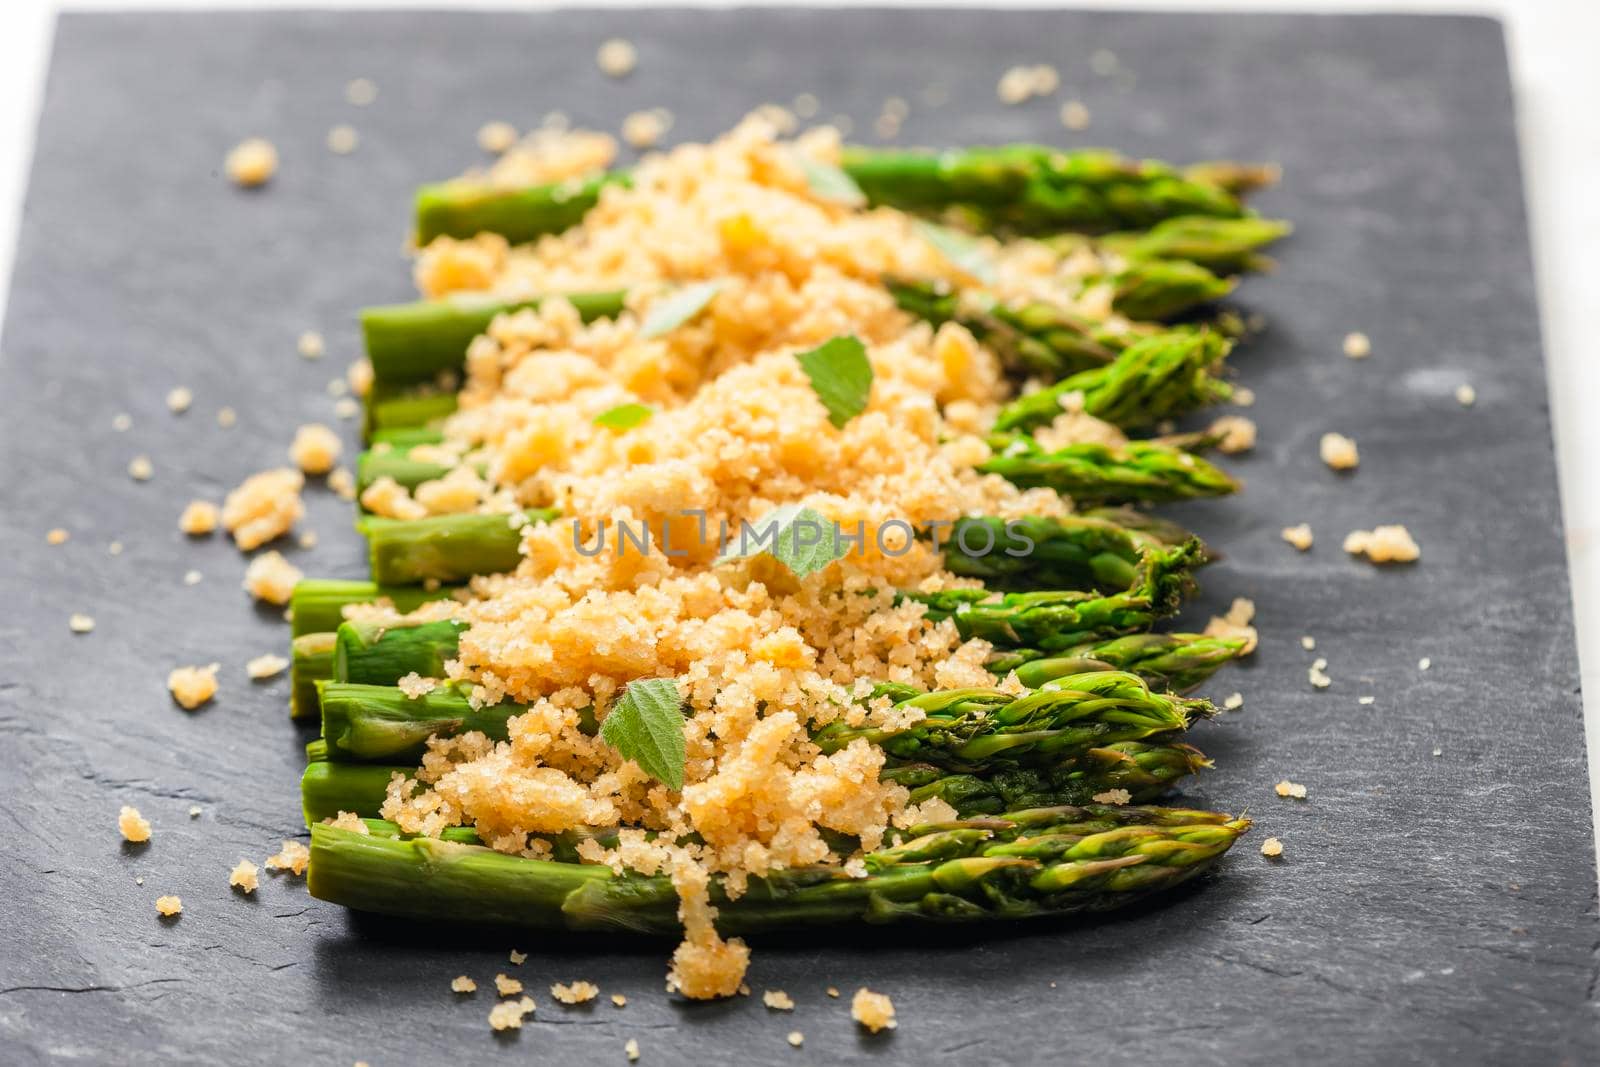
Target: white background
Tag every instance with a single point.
(1557, 76)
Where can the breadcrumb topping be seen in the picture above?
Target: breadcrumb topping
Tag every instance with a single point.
(1317, 675)
(617, 57)
(777, 1000)
(506, 986)
(199, 518)
(315, 448)
(1238, 434)
(272, 578)
(630, 1048)
(252, 162)
(875, 1011)
(169, 906)
(1113, 796)
(264, 507)
(193, 686)
(1339, 452)
(1272, 848)
(462, 984)
(266, 666)
(508, 1014)
(292, 857)
(575, 993)
(1236, 623)
(1287, 788)
(134, 827)
(1383, 544)
(244, 877)
(796, 1038)
(348, 820)
(1299, 536)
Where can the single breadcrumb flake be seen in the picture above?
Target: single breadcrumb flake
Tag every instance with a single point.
(617, 57)
(1357, 345)
(576, 993)
(1466, 395)
(1438, 751)
(1235, 432)
(518, 958)
(140, 468)
(315, 448)
(348, 820)
(619, 1000)
(193, 686)
(192, 577)
(777, 1000)
(80, 624)
(796, 1038)
(343, 139)
(359, 376)
(122, 422)
(199, 518)
(1113, 796)
(1236, 623)
(1317, 674)
(179, 399)
(1075, 115)
(833, 991)
(169, 906)
(631, 1049)
(644, 129)
(115, 548)
(252, 162)
(1287, 788)
(1308, 642)
(507, 1014)
(1022, 83)
(462, 984)
(360, 92)
(226, 417)
(292, 857)
(245, 877)
(266, 666)
(1299, 536)
(57, 536)
(1424, 663)
(1272, 848)
(310, 345)
(1234, 701)
(342, 482)
(134, 827)
(506, 986)
(264, 507)
(1339, 452)
(496, 137)
(875, 1011)
(272, 578)
(1365, 700)
(1383, 544)
(414, 685)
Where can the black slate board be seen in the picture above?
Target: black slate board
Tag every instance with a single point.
(1436, 897)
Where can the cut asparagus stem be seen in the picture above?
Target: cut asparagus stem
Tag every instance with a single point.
(368, 653)
(328, 788)
(1050, 861)
(406, 407)
(1140, 471)
(464, 208)
(409, 344)
(317, 604)
(1158, 378)
(310, 662)
(1173, 661)
(381, 724)
(396, 463)
(446, 548)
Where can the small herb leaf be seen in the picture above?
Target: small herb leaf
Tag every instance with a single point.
(624, 416)
(830, 183)
(800, 538)
(841, 374)
(673, 311)
(646, 726)
(963, 252)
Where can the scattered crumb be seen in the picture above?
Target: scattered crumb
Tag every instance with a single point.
(1021, 83)
(193, 686)
(307, 540)
(348, 820)
(169, 906)
(462, 984)
(1357, 345)
(1298, 536)
(315, 448)
(271, 578)
(1272, 848)
(1339, 452)
(199, 518)
(1438, 751)
(1244, 396)
(1075, 115)
(245, 877)
(264, 507)
(292, 857)
(1424, 663)
(1466, 395)
(134, 827)
(1238, 434)
(140, 468)
(1383, 544)
(619, 1000)
(507, 987)
(310, 345)
(57, 536)
(342, 482)
(805, 105)
(192, 577)
(644, 129)
(496, 137)
(617, 58)
(1103, 61)
(115, 548)
(577, 993)
(518, 958)
(507, 1014)
(179, 399)
(343, 139)
(265, 666)
(796, 1038)
(777, 1000)
(122, 422)
(833, 991)
(413, 685)
(1365, 700)
(1317, 674)
(80, 624)
(194, 811)
(360, 92)
(1287, 788)
(875, 1011)
(1113, 796)
(252, 162)
(358, 376)
(1308, 642)
(346, 407)
(1234, 701)
(1236, 623)
(631, 1049)
(226, 417)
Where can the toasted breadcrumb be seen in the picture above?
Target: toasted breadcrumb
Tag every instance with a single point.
(348, 820)
(508, 1014)
(575, 993)
(413, 685)
(343, 483)
(833, 991)
(1022, 83)
(1287, 788)
(252, 162)
(1234, 701)
(462, 984)
(1308, 642)
(389, 499)
(343, 139)
(1339, 452)
(199, 518)
(272, 578)
(1238, 434)
(134, 827)
(140, 468)
(1113, 796)
(245, 877)
(307, 540)
(1075, 115)
(1272, 848)
(777, 1000)
(1357, 345)
(266, 666)
(875, 1011)
(315, 448)
(1316, 674)
(178, 399)
(80, 624)
(1466, 395)
(292, 857)
(57, 536)
(1299, 536)
(1383, 544)
(193, 686)
(360, 92)
(1236, 623)
(310, 345)
(168, 907)
(796, 1038)
(630, 1048)
(619, 1000)
(265, 506)
(644, 129)
(617, 57)
(496, 137)
(1365, 700)
(518, 958)
(506, 986)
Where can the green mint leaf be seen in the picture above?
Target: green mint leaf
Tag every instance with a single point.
(830, 183)
(841, 374)
(646, 726)
(668, 314)
(624, 416)
(800, 538)
(963, 252)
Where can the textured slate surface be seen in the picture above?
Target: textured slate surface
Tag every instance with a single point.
(1428, 907)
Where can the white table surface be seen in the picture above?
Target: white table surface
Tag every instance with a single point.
(1557, 81)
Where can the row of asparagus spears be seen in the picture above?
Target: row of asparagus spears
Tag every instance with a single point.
(1072, 617)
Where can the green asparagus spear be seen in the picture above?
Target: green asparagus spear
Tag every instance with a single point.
(1082, 551)
(317, 604)
(1163, 289)
(404, 407)
(1225, 245)
(1050, 861)
(327, 788)
(310, 661)
(1141, 471)
(464, 208)
(1174, 661)
(446, 548)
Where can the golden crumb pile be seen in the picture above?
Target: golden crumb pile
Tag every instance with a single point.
(245, 877)
(875, 1011)
(292, 857)
(265, 506)
(1384, 544)
(575, 993)
(272, 578)
(134, 827)
(193, 686)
